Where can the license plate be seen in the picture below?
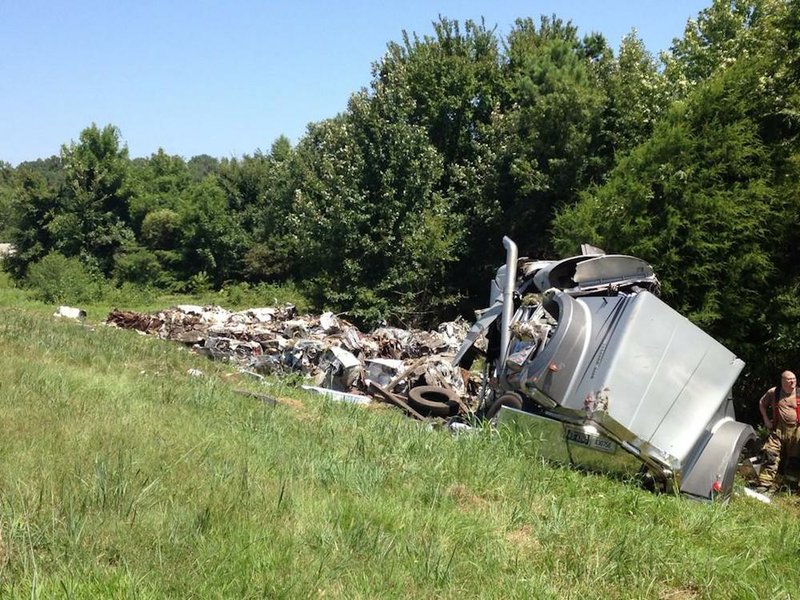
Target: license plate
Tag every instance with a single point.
(581, 438)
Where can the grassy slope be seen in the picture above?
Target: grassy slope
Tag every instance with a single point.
(121, 476)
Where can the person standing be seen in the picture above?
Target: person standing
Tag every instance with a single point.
(779, 410)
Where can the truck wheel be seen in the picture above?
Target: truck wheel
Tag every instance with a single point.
(509, 399)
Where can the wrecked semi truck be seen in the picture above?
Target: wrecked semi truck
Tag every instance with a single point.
(583, 355)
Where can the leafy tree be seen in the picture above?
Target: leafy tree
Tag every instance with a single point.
(636, 95)
(450, 85)
(372, 223)
(201, 166)
(210, 239)
(161, 229)
(260, 189)
(274, 226)
(776, 102)
(91, 219)
(684, 201)
(51, 169)
(138, 265)
(7, 193)
(29, 213)
(410, 231)
(58, 279)
(546, 131)
(722, 34)
(159, 182)
(246, 183)
(712, 201)
(451, 82)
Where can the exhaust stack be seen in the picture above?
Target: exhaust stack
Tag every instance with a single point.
(508, 298)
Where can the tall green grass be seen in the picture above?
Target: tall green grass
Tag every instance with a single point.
(123, 476)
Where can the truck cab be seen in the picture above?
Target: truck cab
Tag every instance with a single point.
(582, 353)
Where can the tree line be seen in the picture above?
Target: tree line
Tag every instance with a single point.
(395, 209)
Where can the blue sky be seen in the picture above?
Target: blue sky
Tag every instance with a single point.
(228, 78)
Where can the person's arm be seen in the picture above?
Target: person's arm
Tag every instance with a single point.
(766, 399)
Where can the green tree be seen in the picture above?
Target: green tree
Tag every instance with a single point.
(544, 135)
(51, 169)
(144, 267)
(29, 214)
(262, 188)
(161, 229)
(159, 182)
(450, 85)
(58, 279)
(7, 193)
(201, 166)
(91, 219)
(636, 95)
(373, 226)
(211, 241)
(776, 100)
(722, 34)
(712, 201)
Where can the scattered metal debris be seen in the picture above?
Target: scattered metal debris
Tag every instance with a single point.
(335, 357)
(756, 495)
(339, 396)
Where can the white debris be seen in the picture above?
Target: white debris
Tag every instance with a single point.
(329, 323)
(382, 370)
(190, 309)
(68, 312)
(335, 395)
(758, 496)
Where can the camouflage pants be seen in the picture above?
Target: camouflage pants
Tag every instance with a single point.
(782, 445)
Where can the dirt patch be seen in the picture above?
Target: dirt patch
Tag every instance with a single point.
(299, 409)
(787, 503)
(689, 592)
(466, 498)
(524, 539)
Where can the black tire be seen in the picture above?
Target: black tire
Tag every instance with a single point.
(509, 399)
(434, 401)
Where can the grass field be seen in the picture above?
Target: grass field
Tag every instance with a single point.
(121, 476)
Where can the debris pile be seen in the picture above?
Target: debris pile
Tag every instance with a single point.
(386, 364)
